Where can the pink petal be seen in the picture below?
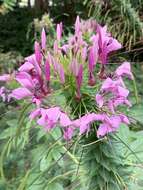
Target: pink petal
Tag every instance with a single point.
(103, 35)
(108, 84)
(32, 59)
(26, 67)
(68, 133)
(102, 130)
(84, 128)
(35, 114)
(99, 100)
(124, 119)
(115, 121)
(43, 119)
(53, 114)
(5, 77)
(114, 45)
(124, 70)
(25, 80)
(20, 93)
(65, 120)
(122, 92)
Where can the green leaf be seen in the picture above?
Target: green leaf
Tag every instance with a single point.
(54, 186)
(38, 153)
(56, 133)
(9, 132)
(57, 156)
(124, 132)
(24, 181)
(35, 182)
(45, 162)
(137, 112)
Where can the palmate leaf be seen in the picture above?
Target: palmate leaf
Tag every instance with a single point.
(117, 162)
(135, 142)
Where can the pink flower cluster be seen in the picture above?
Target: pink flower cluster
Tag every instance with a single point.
(71, 59)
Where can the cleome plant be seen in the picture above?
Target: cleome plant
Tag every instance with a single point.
(70, 90)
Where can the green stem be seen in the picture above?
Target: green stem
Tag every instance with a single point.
(99, 140)
(61, 176)
(135, 90)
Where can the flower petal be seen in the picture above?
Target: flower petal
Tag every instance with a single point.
(20, 93)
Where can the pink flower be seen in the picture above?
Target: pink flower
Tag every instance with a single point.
(106, 43)
(38, 52)
(43, 40)
(85, 121)
(124, 70)
(110, 124)
(110, 86)
(33, 87)
(49, 117)
(116, 93)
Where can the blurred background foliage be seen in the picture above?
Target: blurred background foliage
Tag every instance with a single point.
(124, 16)
(31, 159)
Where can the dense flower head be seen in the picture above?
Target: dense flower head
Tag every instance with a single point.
(68, 64)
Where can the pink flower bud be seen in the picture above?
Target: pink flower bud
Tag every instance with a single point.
(47, 70)
(77, 25)
(43, 39)
(59, 31)
(38, 52)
